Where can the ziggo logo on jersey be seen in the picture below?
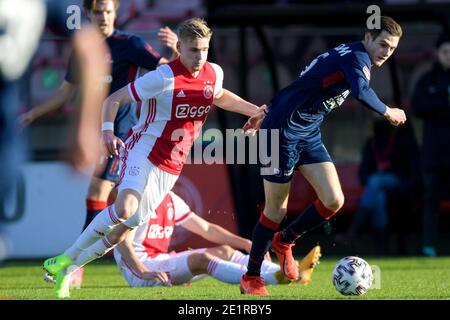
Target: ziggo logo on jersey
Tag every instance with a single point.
(187, 111)
(157, 232)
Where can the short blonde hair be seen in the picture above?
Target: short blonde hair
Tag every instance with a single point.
(194, 28)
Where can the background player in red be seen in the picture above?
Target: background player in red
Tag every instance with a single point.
(144, 260)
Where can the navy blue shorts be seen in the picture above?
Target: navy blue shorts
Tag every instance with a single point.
(300, 142)
(108, 169)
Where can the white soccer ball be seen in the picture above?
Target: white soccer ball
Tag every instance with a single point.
(352, 276)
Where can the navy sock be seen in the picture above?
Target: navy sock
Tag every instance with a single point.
(261, 241)
(313, 216)
(90, 215)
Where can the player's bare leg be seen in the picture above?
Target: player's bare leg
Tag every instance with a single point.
(99, 189)
(97, 198)
(227, 253)
(224, 252)
(206, 262)
(324, 179)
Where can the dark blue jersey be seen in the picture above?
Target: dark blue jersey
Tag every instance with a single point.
(128, 53)
(328, 80)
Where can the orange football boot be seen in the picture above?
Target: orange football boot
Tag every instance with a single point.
(253, 285)
(284, 253)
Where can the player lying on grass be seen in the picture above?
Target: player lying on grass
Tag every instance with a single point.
(144, 260)
(143, 257)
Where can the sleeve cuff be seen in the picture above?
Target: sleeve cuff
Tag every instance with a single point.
(184, 218)
(133, 93)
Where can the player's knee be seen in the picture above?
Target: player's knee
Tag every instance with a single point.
(330, 206)
(275, 213)
(127, 203)
(335, 202)
(125, 209)
(124, 212)
(198, 262)
(226, 251)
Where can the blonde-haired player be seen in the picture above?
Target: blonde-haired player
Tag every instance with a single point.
(176, 99)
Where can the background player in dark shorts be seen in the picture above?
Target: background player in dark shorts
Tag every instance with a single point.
(127, 54)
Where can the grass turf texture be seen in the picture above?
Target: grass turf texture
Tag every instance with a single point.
(401, 278)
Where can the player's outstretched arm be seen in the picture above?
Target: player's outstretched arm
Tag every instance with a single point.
(254, 122)
(233, 103)
(129, 255)
(215, 233)
(362, 91)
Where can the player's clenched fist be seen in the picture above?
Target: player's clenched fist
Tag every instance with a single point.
(395, 116)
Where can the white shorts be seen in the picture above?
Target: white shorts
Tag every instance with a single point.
(175, 265)
(152, 183)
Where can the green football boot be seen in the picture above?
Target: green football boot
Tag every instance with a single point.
(56, 264)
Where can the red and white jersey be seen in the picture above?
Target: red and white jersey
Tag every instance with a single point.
(153, 237)
(174, 106)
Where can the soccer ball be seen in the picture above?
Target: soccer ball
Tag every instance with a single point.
(352, 276)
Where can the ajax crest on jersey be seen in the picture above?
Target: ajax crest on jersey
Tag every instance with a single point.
(352, 276)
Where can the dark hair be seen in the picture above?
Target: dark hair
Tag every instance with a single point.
(389, 25)
(443, 38)
(90, 4)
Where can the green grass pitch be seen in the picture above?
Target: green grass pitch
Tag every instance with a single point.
(401, 278)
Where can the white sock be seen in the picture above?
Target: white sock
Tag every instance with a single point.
(269, 267)
(95, 251)
(269, 277)
(266, 266)
(102, 224)
(230, 272)
(239, 258)
(226, 271)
